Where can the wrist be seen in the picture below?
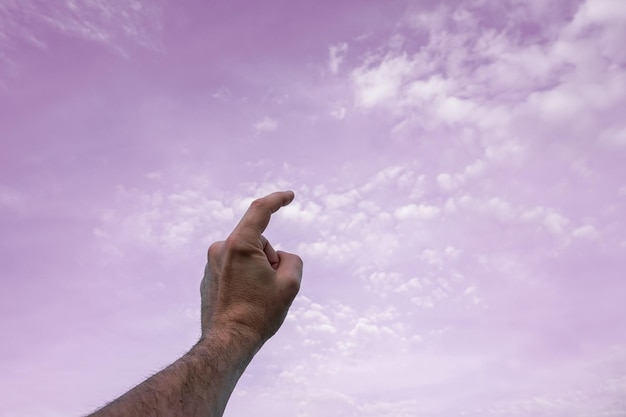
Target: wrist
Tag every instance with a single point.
(238, 340)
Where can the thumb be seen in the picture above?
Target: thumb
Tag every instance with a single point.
(289, 272)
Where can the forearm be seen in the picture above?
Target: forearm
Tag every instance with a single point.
(197, 385)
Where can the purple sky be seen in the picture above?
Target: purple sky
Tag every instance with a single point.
(460, 201)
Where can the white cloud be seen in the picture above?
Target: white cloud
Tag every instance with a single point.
(418, 212)
(402, 176)
(453, 109)
(300, 212)
(222, 94)
(115, 24)
(338, 112)
(165, 221)
(414, 283)
(560, 104)
(500, 208)
(555, 223)
(428, 90)
(533, 214)
(364, 328)
(266, 125)
(614, 138)
(493, 81)
(379, 84)
(585, 232)
(425, 302)
(472, 293)
(331, 249)
(496, 207)
(336, 55)
(430, 20)
(475, 169)
(446, 182)
(311, 328)
(432, 257)
(340, 200)
(315, 314)
(452, 252)
(418, 189)
(598, 12)
(379, 281)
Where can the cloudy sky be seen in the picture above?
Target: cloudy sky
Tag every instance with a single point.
(460, 201)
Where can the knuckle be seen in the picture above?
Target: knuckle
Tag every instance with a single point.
(257, 204)
(214, 251)
(260, 205)
(298, 263)
(292, 287)
(236, 245)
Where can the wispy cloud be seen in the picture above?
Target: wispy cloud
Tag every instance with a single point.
(336, 55)
(117, 25)
(267, 124)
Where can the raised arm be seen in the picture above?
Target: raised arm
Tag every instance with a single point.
(246, 292)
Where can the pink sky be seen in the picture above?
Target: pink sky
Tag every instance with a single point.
(460, 202)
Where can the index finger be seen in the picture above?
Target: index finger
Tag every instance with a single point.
(258, 215)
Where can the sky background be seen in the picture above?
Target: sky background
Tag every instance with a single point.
(460, 201)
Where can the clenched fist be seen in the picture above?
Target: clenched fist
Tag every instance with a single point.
(248, 287)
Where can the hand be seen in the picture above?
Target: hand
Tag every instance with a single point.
(248, 287)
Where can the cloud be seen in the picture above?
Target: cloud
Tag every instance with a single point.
(222, 94)
(585, 232)
(418, 212)
(614, 138)
(302, 214)
(598, 12)
(497, 80)
(446, 182)
(555, 223)
(266, 125)
(336, 55)
(331, 250)
(110, 23)
(380, 84)
(338, 112)
(167, 221)
(340, 200)
(120, 26)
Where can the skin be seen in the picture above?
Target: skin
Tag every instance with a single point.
(246, 293)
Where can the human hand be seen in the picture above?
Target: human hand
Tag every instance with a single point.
(248, 287)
